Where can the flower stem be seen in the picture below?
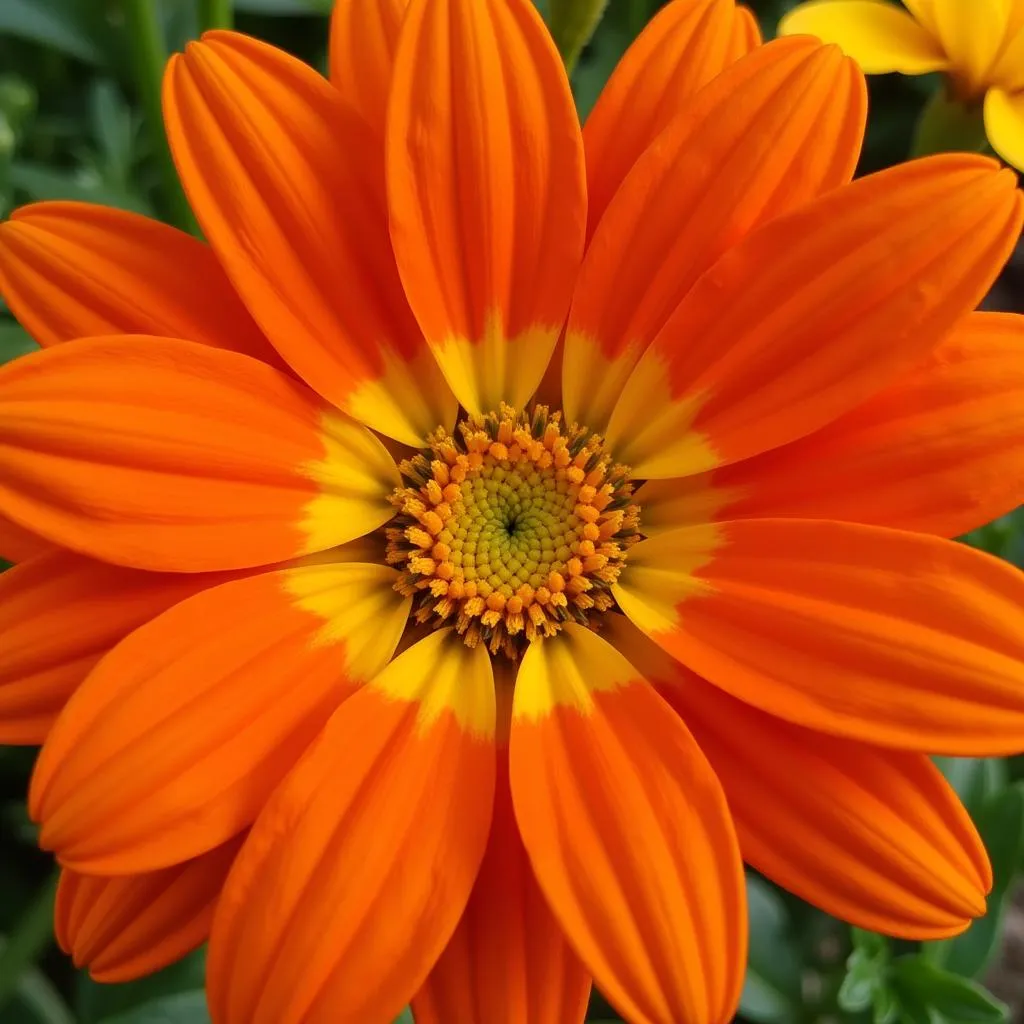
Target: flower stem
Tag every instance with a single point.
(149, 55)
(215, 14)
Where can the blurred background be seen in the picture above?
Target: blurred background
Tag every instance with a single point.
(72, 126)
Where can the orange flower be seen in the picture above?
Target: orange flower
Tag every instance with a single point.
(771, 405)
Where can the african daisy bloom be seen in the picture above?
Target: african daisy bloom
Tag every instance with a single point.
(979, 45)
(512, 528)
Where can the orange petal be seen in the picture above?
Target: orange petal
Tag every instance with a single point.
(75, 270)
(168, 749)
(746, 33)
(486, 191)
(364, 38)
(628, 832)
(894, 638)
(811, 314)
(165, 454)
(684, 47)
(18, 544)
(287, 181)
(941, 451)
(59, 614)
(508, 961)
(355, 875)
(769, 134)
(128, 926)
(878, 838)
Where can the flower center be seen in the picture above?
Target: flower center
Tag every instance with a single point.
(510, 527)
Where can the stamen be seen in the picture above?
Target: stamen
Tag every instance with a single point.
(510, 527)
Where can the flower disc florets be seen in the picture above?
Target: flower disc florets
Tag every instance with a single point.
(512, 526)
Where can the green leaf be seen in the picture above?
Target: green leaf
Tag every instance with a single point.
(17, 101)
(405, 1017)
(40, 997)
(975, 779)
(183, 1008)
(26, 942)
(573, 23)
(1001, 824)
(771, 989)
(885, 1007)
(41, 182)
(871, 945)
(285, 6)
(114, 129)
(609, 43)
(14, 341)
(949, 998)
(99, 1003)
(947, 125)
(52, 23)
(867, 971)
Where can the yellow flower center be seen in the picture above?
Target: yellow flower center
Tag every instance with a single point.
(510, 527)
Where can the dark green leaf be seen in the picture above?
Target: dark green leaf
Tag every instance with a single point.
(41, 182)
(573, 23)
(114, 130)
(97, 1003)
(53, 23)
(975, 779)
(946, 125)
(14, 341)
(27, 940)
(285, 6)
(613, 36)
(871, 945)
(950, 998)
(885, 1007)
(1001, 824)
(405, 1017)
(771, 989)
(183, 1008)
(41, 999)
(867, 971)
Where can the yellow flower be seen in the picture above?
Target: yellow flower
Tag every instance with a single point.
(979, 44)
(501, 530)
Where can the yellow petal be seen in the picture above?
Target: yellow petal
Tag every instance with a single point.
(879, 36)
(1004, 125)
(972, 32)
(1008, 71)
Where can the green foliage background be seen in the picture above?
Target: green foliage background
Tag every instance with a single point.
(73, 126)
